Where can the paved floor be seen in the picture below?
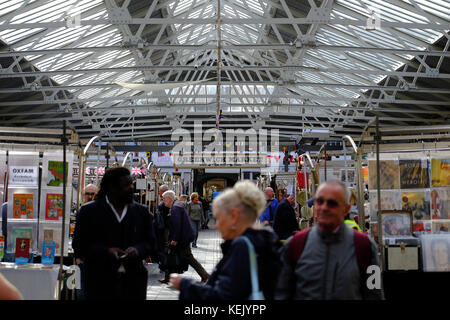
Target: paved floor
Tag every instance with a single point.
(208, 253)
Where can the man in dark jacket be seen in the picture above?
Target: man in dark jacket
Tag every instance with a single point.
(285, 223)
(113, 236)
(181, 234)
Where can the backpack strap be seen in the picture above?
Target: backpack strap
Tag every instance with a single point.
(363, 250)
(297, 244)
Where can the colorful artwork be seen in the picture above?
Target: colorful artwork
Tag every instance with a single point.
(55, 173)
(414, 174)
(23, 206)
(365, 174)
(395, 224)
(22, 251)
(390, 200)
(440, 172)
(422, 226)
(418, 203)
(389, 177)
(440, 204)
(54, 206)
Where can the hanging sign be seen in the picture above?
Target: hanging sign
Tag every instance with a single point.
(23, 175)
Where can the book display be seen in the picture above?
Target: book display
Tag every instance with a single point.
(416, 181)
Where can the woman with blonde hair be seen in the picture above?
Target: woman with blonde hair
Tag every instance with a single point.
(236, 210)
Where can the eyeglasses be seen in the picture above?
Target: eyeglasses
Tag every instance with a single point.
(331, 203)
(89, 193)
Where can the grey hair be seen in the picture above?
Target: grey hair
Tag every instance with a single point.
(163, 187)
(169, 194)
(245, 196)
(347, 193)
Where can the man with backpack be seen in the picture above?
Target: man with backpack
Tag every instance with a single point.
(330, 260)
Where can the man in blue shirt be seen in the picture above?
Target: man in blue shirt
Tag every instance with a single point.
(268, 214)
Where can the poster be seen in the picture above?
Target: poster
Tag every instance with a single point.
(23, 175)
(52, 234)
(440, 226)
(390, 200)
(53, 206)
(23, 206)
(440, 204)
(55, 173)
(418, 203)
(435, 252)
(440, 172)
(389, 174)
(414, 174)
(350, 175)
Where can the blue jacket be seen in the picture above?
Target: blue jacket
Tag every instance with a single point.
(265, 216)
(180, 228)
(231, 276)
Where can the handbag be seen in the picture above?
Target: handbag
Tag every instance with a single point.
(256, 293)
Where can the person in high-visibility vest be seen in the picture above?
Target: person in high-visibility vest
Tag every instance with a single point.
(353, 211)
(352, 224)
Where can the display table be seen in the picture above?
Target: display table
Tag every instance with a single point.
(32, 280)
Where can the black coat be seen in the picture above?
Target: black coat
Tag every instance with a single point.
(230, 279)
(180, 228)
(97, 230)
(285, 223)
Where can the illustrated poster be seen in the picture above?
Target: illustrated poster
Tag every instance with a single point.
(440, 204)
(55, 173)
(418, 203)
(22, 251)
(389, 176)
(54, 206)
(23, 206)
(413, 174)
(440, 172)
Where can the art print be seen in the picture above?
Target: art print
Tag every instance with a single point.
(53, 206)
(389, 174)
(414, 174)
(417, 203)
(435, 252)
(440, 204)
(55, 173)
(23, 206)
(440, 172)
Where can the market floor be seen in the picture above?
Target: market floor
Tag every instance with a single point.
(208, 253)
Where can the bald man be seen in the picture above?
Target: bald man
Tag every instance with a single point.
(89, 192)
(268, 215)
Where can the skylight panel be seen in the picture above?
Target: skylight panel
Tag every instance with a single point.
(13, 36)
(7, 6)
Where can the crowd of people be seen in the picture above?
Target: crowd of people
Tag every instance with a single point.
(265, 254)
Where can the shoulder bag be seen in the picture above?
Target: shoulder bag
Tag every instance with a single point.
(256, 293)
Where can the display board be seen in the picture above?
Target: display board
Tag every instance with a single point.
(416, 181)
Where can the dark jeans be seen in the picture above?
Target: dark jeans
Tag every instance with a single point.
(196, 227)
(186, 250)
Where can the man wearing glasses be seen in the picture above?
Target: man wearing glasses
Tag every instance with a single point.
(328, 261)
(89, 192)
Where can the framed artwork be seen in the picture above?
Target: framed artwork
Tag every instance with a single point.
(440, 172)
(440, 204)
(53, 206)
(417, 203)
(414, 174)
(389, 174)
(435, 252)
(396, 223)
(23, 206)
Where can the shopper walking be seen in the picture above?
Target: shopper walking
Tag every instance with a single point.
(195, 212)
(236, 211)
(268, 211)
(328, 261)
(114, 236)
(181, 235)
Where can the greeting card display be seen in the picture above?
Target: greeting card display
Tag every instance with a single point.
(55, 173)
(23, 206)
(22, 252)
(48, 252)
(53, 206)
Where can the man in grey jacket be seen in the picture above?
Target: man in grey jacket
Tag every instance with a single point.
(329, 261)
